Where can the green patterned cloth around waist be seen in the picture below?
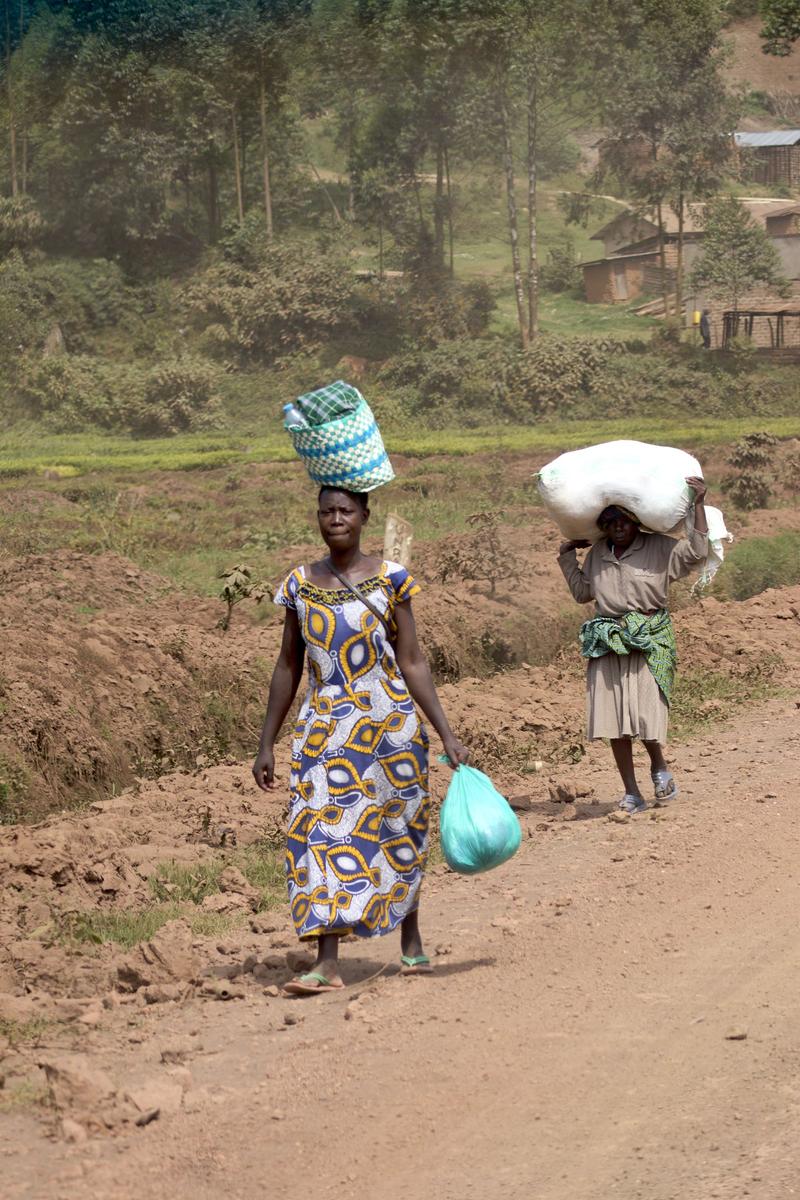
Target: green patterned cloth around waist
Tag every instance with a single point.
(653, 636)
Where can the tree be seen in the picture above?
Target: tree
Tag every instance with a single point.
(781, 25)
(663, 97)
(524, 55)
(737, 254)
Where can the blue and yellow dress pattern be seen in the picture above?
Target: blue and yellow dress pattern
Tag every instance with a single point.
(358, 816)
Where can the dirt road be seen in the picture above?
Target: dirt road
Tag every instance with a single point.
(614, 1014)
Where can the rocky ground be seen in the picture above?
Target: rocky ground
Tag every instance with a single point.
(612, 1011)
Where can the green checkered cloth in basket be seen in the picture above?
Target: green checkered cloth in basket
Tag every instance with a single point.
(328, 403)
(653, 636)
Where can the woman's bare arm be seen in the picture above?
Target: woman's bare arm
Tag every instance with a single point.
(416, 672)
(282, 691)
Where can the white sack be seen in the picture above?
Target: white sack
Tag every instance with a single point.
(649, 481)
(717, 534)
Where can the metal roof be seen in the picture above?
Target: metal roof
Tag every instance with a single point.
(774, 137)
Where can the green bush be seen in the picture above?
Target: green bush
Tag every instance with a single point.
(81, 297)
(177, 396)
(561, 272)
(452, 380)
(753, 458)
(69, 393)
(556, 375)
(442, 309)
(281, 299)
(758, 564)
(21, 224)
(72, 392)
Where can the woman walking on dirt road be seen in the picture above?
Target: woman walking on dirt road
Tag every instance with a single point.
(630, 643)
(358, 815)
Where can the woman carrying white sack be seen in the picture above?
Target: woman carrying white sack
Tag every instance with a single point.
(630, 643)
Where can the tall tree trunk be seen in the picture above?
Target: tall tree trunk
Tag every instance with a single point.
(421, 212)
(12, 122)
(450, 231)
(662, 256)
(237, 165)
(438, 207)
(679, 263)
(213, 200)
(513, 226)
(337, 216)
(533, 248)
(351, 151)
(265, 154)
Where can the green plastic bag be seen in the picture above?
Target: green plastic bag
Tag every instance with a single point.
(478, 828)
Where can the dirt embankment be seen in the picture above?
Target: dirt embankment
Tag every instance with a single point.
(525, 728)
(110, 674)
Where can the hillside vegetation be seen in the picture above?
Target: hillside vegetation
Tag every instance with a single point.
(189, 234)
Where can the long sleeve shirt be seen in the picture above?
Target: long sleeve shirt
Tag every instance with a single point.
(637, 581)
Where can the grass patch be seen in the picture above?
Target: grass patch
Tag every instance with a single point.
(94, 452)
(178, 891)
(262, 865)
(120, 926)
(703, 698)
(173, 882)
(758, 564)
(22, 1095)
(24, 1033)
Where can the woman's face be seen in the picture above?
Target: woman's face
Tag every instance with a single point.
(341, 519)
(621, 531)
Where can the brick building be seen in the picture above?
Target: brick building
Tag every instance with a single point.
(631, 267)
(772, 157)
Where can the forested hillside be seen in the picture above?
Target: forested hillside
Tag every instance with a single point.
(197, 195)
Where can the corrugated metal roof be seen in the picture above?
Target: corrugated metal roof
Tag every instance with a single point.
(774, 137)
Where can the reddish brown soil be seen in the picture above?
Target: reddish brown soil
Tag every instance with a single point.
(613, 1013)
(755, 69)
(140, 679)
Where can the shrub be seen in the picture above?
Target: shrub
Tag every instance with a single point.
(760, 563)
(81, 297)
(433, 381)
(176, 396)
(442, 309)
(71, 392)
(554, 376)
(75, 392)
(21, 224)
(751, 486)
(562, 271)
(282, 299)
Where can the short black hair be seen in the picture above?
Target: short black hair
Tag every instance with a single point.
(361, 498)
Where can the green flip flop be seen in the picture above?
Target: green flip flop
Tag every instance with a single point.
(310, 984)
(419, 965)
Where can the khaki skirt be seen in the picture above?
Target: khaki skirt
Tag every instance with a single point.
(624, 700)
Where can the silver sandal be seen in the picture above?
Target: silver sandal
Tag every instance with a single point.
(631, 803)
(664, 785)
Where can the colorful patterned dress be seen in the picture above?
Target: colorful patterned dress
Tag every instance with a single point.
(358, 817)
